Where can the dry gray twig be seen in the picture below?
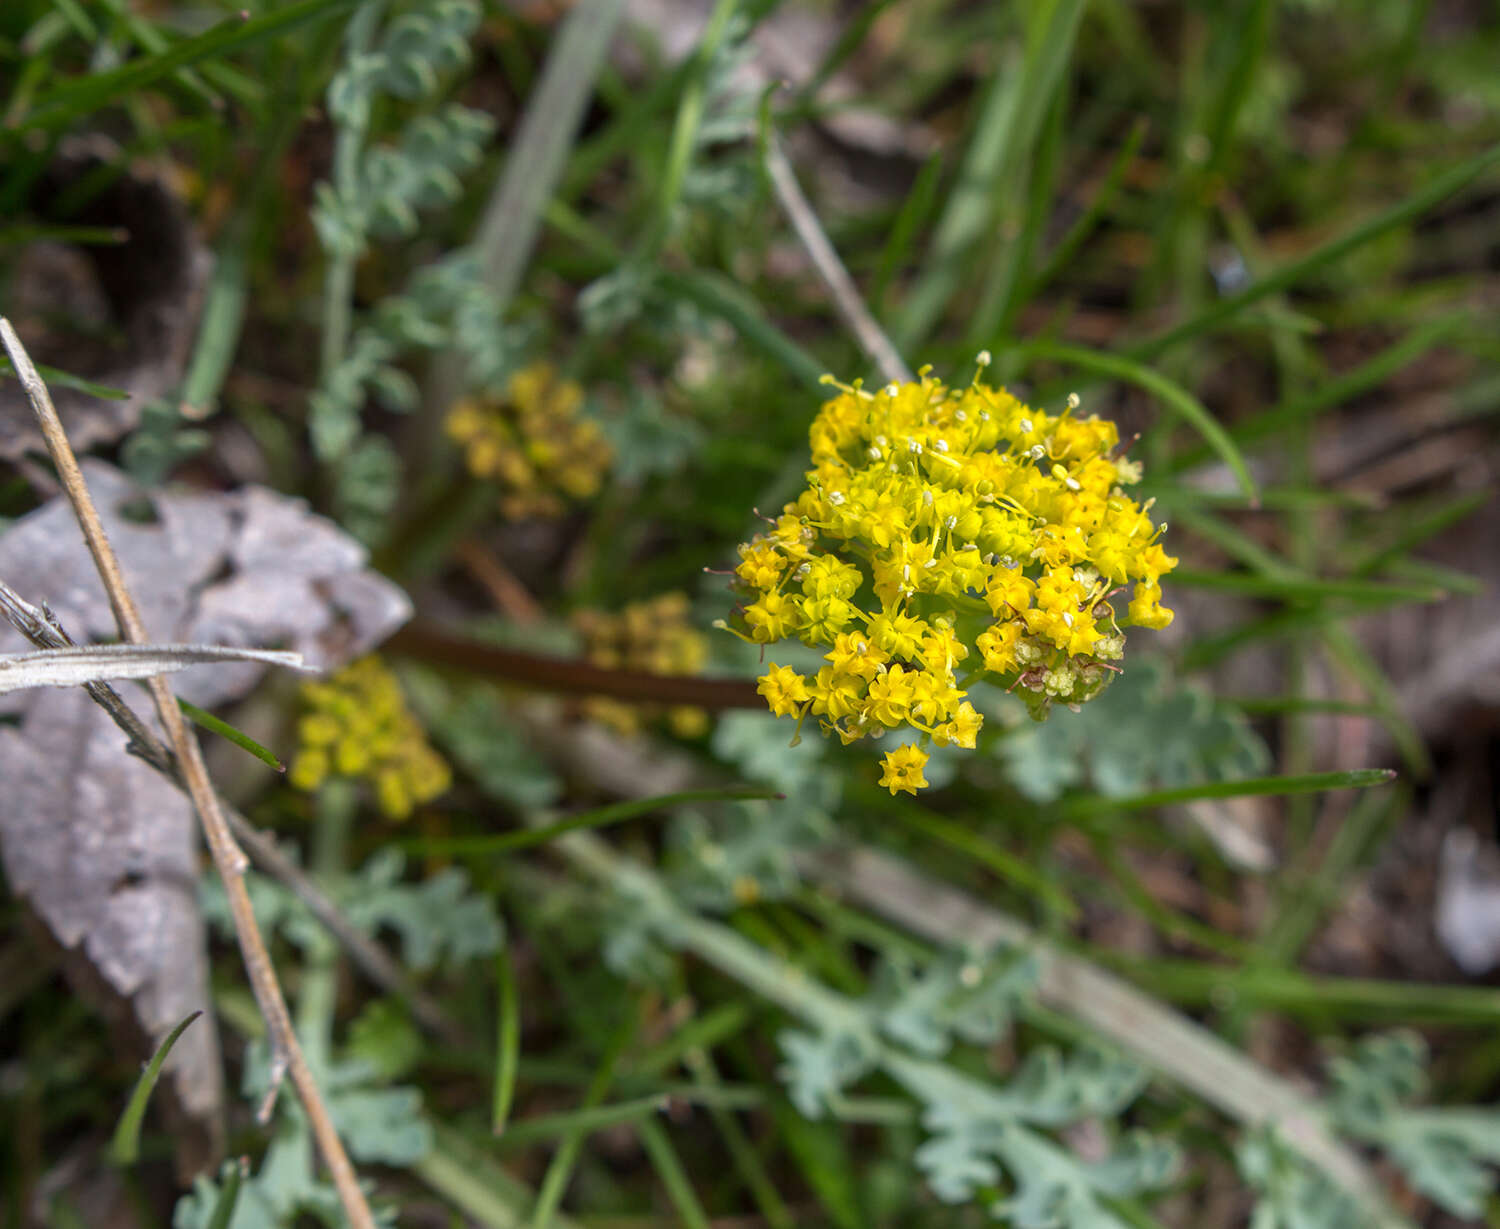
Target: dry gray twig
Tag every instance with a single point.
(228, 858)
(851, 307)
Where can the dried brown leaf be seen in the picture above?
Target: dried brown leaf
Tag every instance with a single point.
(100, 847)
(122, 315)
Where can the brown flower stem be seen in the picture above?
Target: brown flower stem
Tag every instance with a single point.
(510, 596)
(228, 858)
(426, 642)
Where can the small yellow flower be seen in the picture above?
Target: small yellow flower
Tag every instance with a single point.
(903, 769)
(784, 689)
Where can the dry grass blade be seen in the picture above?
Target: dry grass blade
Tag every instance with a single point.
(851, 307)
(228, 858)
(72, 667)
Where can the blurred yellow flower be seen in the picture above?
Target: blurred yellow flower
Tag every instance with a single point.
(356, 724)
(655, 636)
(534, 442)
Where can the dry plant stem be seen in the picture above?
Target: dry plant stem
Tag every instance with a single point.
(851, 307)
(509, 595)
(1167, 1042)
(228, 858)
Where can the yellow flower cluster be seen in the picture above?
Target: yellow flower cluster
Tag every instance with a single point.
(357, 725)
(534, 442)
(655, 636)
(940, 525)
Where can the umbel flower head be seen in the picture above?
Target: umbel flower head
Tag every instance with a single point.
(947, 536)
(654, 635)
(356, 724)
(533, 441)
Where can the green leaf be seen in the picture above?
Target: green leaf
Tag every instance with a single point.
(819, 1066)
(955, 996)
(437, 919)
(125, 1147)
(62, 379)
(1172, 395)
(1292, 1193)
(1143, 730)
(239, 738)
(1444, 1153)
(74, 99)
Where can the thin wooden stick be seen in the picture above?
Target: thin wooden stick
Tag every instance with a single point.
(228, 858)
(851, 307)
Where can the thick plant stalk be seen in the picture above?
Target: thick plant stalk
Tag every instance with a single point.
(229, 859)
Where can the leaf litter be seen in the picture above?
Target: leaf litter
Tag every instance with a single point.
(102, 848)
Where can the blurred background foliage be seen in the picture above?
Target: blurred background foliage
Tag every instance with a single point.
(508, 292)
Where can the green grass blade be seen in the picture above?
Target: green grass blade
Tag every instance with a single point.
(747, 1161)
(125, 1146)
(219, 326)
(1294, 588)
(223, 1215)
(721, 297)
(1172, 394)
(507, 1042)
(1358, 1000)
(1271, 423)
(1348, 653)
(669, 1169)
(471, 1180)
(1257, 706)
(512, 217)
(1250, 787)
(224, 730)
(1205, 651)
(599, 817)
(61, 379)
(83, 236)
(685, 126)
(72, 100)
(1304, 898)
(1025, 209)
(581, 1122)
(555, 1181)
(822, 1155)
(1015, 870)
(1418, 529)
(1272, 499)
(1460, 584)
(1005, 135)
(1077, 234)
(910, 218)
(1235, 543)
(1438, 188)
